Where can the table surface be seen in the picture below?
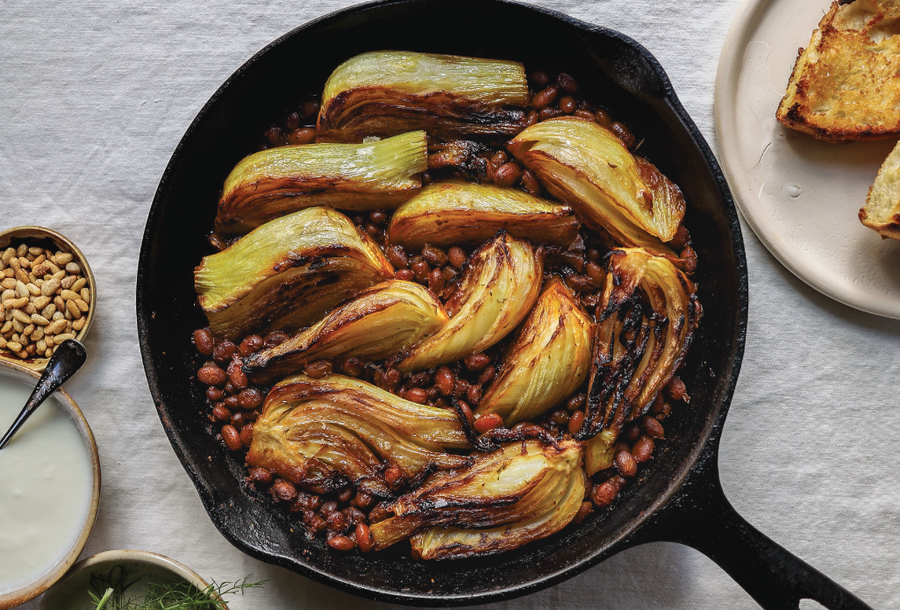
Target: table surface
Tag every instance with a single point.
(95, 97)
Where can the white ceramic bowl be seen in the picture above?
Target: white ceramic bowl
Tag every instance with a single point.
(69, 551)
(71, 593)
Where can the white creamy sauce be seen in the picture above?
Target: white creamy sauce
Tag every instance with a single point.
(45, 488)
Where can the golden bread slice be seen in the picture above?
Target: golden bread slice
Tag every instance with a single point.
(846, 83)
(882, 211)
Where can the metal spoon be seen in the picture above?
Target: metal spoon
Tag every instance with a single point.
(68, 358)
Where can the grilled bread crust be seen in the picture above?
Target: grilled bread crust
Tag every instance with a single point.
(882, 211)
(846, 84)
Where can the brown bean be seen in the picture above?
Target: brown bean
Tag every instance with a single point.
(568, 104)
(540, 78)
(224, 351)
(231, 437)
(247, 435)
(530, 182)
(221, 414)
(486, 422)
(652, 427)
(259, 475)
(354, 516)
(353, 366)
(576, 402)
(328, 507)
(416, 395)
(507, 174)
(362, 499)
(624, 134)
(603, 494)
(457, 256)
(313, 522)
(434, 256)
(236, 375)
(544, 97)
(560, 417)
(292, 121)
(392, 377)
(372, 230)
(364, 539)
(603, 117)
(275, 136)
(250, 398)
(643, 449)
(341, 543)
(232, 402)
(487, 375)
(531, 118)
(336, 521)
(567, 82)
(675, 389)
(214, 394)
(477, 362)
(204, 342)
(681, 239)
(548, 113)
(317, 368)
(276, 337)
(449, 273)
(239, 420)
(302, 135)
(576, 421)
(473, 394)
(466, 410)
(436, 281)
(405, 274)
(345, 494)
(595, 272)
(309, 108)
(587, 115)
(444, 380)
(250, 344)
(397, 256)
(422, 270)
(633, 432)
(211, 375)
(625, 463)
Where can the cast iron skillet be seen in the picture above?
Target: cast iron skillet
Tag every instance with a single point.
(677, 496)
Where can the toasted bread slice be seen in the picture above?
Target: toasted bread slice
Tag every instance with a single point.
(882, 211)
(846, 84)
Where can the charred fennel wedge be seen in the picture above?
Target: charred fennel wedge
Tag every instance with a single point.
(379, 322)
(588, 167)
(326, 433)
(383, 93)
(648, 315)
(498, 287)
(451, 213)
(515, 495)
(287, 273)
(548, 361)
(277, 181)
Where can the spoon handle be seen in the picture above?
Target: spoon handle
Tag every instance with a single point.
(67, 359)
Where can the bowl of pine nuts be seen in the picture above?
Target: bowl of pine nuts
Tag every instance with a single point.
(47, 294)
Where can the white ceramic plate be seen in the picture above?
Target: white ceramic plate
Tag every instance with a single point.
(801, 196)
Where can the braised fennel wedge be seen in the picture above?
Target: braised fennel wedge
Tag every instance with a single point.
(452, 213)
(379, 322)
(648, 316)
(326, 433)
(498, 288)
(549, 360)
(287, 273)
(383, 93)
(588, 167)
(519, 493)
(277, 181)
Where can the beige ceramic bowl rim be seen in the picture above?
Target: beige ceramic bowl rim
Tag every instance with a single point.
(26, 592)
(7, 235)
(134, 556)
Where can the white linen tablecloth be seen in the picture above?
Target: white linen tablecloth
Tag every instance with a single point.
(96, 95)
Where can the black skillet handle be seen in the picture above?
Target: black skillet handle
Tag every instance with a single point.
(701, 517)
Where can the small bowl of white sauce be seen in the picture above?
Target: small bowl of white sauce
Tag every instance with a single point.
(49, 488)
